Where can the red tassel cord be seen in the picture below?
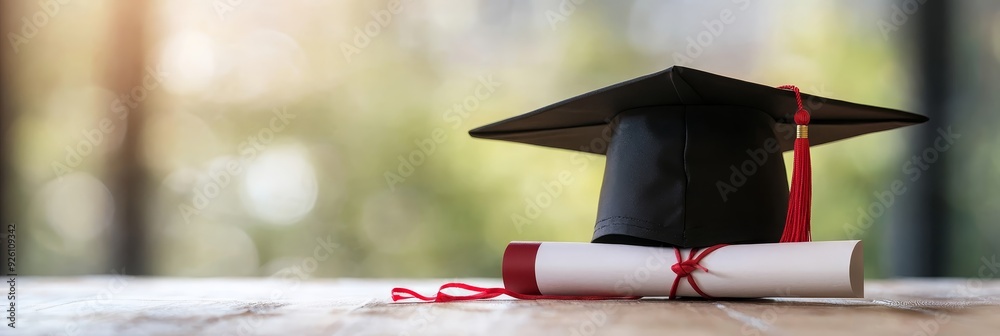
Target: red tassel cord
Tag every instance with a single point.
(797, 227)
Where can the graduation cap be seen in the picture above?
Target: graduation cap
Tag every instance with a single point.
(693, 158)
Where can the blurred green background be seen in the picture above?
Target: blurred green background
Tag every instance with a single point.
(274, 134)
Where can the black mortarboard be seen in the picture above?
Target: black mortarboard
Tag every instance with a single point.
(693, 158)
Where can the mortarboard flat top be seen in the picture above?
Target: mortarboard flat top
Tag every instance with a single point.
(574, 122)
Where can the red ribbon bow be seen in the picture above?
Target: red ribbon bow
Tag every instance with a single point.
(684, 268)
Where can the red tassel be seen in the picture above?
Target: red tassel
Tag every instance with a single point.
(797, 227)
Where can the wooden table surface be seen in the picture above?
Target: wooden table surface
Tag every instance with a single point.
(268, 306)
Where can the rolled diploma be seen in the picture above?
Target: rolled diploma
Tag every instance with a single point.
(827, 269)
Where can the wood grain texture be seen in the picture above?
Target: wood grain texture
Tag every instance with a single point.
(271, 306)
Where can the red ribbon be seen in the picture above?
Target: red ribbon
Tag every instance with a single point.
(488, 293)
(683, 269)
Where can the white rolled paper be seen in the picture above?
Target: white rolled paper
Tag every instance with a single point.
(827, 269)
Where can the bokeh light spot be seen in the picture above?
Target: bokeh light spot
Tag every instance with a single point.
(280, 185)
(188, 59)
(78, 206)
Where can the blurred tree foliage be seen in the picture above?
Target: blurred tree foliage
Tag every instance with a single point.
(375, 175)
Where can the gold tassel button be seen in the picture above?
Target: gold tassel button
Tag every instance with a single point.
(801, 131)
